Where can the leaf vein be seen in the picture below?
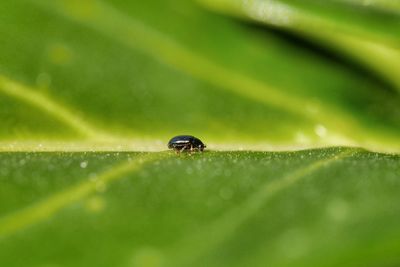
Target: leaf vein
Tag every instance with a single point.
(214, 234)
(49, 206)
(51, 107)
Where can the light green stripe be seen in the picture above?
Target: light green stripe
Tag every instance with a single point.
(51, 107)
(213, 235)
(48, 207)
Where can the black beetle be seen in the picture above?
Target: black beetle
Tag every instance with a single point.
(186, 143)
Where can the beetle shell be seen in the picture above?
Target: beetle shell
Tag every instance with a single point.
(186, 143)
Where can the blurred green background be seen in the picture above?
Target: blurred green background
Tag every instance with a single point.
(240, 74)
(89, 87)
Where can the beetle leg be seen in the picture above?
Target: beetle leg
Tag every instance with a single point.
(191, 150)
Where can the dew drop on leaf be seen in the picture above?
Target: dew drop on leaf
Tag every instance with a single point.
(226, 193)
(83, 164)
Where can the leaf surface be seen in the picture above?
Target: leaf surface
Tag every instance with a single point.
(324, 207)
(85, 84)
(65, 64)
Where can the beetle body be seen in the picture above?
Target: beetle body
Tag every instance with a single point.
(182, 143)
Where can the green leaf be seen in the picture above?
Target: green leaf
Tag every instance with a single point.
(84, 84)
(325, 207)
(368, 36)
(99, 75)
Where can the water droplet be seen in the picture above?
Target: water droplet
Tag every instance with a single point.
(84, 164)
(226, 193)
(320, 130)
(271, 11)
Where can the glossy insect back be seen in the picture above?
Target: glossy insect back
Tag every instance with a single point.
(187, 143)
